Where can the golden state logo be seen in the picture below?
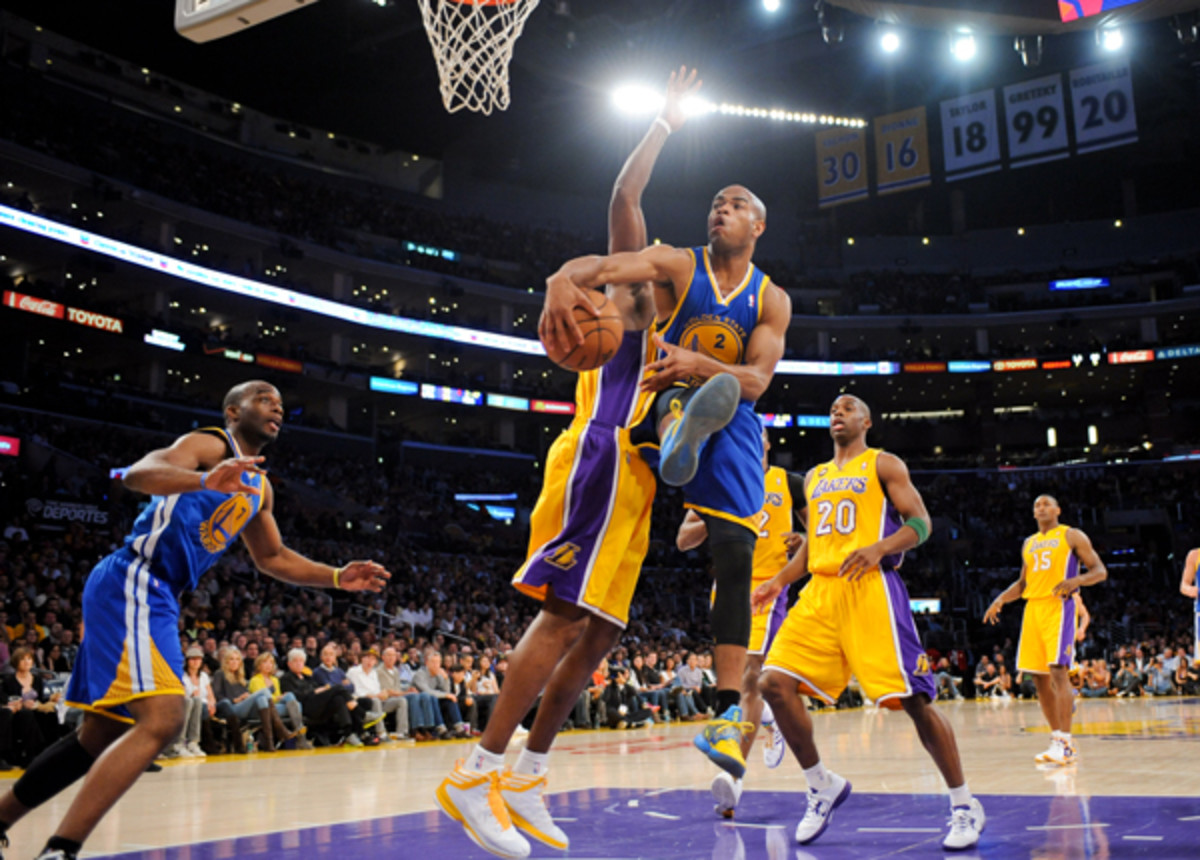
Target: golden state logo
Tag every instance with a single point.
(839, 485)
(564, 557)
(716, 337)
(226, 522)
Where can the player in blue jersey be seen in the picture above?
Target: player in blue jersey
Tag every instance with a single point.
(720, 332)
(208, 489)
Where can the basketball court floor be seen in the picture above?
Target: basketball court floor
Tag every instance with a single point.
(644, 794)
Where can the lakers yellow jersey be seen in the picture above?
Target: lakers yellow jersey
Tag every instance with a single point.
(611, 394)
(772, 523)
(848, 508)
(1048, 560)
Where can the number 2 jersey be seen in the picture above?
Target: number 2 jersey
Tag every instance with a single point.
(848, 508)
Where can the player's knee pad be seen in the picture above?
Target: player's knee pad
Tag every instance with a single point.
(732, 548)
(58, 767)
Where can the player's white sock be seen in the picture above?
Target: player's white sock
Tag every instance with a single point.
(482, 761)
(531, 763)
(768, 716)
(1056, 735)
(960, 796)
(818, 777)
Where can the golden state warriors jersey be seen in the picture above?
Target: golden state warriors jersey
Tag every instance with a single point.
(774, 521)
(1048, 560)
(848, 508)
(183, 535)
(708, 322)
(611, 394)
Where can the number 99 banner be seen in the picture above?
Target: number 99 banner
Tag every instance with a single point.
(841, 166)
(901, 151)
(1036, 121)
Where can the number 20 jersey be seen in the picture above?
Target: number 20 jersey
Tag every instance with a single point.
(848, 508)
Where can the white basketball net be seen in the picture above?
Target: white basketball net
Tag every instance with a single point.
(472, 45)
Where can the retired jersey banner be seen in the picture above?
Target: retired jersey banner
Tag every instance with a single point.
(1102, 98)
(970, 135)
(841, 166)
(901, 151)
(1035, 119)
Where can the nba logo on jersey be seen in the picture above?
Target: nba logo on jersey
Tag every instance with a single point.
(564, 557)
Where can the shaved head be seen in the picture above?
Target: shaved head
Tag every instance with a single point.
(862, 404)
(1048, 498)
(741, 191)
(242, 390)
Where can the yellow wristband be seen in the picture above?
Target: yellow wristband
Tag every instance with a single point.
(337, 576)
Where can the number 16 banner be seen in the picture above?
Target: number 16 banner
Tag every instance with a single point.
(901, 151)
(841, 166)
(1036, 120)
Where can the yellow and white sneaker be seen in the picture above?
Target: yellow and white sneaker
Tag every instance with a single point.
(1055, 754)
(474, 800)
(522, 795)
(721, 741)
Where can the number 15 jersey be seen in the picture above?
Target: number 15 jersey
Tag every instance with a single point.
(848, 508)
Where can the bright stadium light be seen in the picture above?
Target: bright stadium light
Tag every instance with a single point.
(889, 42)
(771, 5)
(1110, 38)
(963, 47)
(636, 99)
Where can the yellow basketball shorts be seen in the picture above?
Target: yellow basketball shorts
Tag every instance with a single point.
(838, 628)
(590, 528)
(1047, 635)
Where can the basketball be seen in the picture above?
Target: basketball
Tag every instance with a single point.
(601, 337)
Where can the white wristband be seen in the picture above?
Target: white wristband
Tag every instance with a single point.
(666, 125)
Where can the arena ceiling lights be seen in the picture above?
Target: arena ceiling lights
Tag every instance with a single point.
(641, 100)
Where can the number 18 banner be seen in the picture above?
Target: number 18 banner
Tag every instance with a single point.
(901, 151)
(841, 166)
(1036, 121)
(970, 137)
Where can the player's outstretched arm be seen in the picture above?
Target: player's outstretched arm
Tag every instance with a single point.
(1187, 585)
(1081, 544)
(265, 544)
(568, 288)
(907, 501)
(177, 469)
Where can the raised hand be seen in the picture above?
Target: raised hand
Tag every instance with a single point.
(680, 86)
(557, 323)
(226, 476)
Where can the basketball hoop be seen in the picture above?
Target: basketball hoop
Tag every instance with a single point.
(472, 44)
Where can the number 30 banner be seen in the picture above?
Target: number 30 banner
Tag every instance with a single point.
(901, 151)
(1102, 97)
(841, 166)
(1036, 120)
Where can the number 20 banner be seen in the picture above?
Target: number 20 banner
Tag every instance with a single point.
(841, 166)
(1036, 121)
(901, 151)
(1102, 99)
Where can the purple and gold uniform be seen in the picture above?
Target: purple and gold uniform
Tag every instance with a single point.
(840, 628)
(1048, 624)
(770, 556)
(130, 646)
(590, 528)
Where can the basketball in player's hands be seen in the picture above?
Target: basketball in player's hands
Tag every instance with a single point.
(601, 337)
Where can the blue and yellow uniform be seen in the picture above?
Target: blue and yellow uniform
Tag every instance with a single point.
(130, 646)
(590, 528)
(1048, 623)
(728, 482)
(837, 627)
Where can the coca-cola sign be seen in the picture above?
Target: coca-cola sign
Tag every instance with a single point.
(32, 304)
(95, 320)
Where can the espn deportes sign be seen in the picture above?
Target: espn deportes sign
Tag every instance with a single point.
(94, 320)
(33, 305)
(52, 510)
